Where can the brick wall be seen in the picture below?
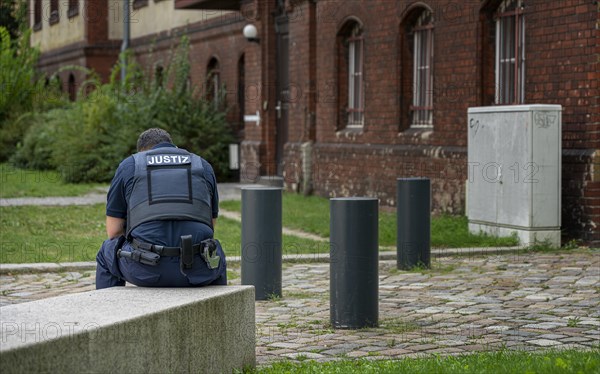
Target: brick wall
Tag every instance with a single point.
(562, 45)
(562, 48)
(561, 68)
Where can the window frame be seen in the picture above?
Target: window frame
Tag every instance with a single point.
(213, 80)
(509, 59)
(73, 8)
(355, 109)
(54, 12)
(421, 108)
(37, 15)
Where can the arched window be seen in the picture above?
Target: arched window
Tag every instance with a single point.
(422, 52)
(37, 14)
(510, 53)
(416, 89)
(73, 8)
(159, 72)
(241, 89)
(350, 56)
(54, 14)
(502, 27)
(213, 81)
(72, 88)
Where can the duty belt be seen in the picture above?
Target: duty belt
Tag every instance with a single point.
(150, 254)
(163, 251)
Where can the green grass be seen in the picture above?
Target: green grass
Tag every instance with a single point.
(36, 183)
(568, 361)
(51, 234)
(229, 233)
(75, 233)
(311, 214)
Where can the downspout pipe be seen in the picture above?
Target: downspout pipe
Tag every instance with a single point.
(126, 36)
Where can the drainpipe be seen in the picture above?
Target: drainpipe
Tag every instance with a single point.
(125, 44)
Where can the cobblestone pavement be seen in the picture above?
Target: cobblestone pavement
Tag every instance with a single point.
(522, 301)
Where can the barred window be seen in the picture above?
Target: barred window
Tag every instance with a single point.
(355, 78)
(422, 105)
(510, 53)
(73, 8)
(54, 15)
(213, 81)
(37, 14)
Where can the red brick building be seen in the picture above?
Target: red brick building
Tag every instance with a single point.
(353, 94)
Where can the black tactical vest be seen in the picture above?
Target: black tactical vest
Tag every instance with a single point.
(168, 184)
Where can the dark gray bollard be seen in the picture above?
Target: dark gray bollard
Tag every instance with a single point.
(414, 219)
(261, 240)
(354, 260)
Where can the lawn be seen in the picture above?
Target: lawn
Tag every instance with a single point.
(74, 233)
(568, 361)
(51, 234)
(36, 183)
(311, 214)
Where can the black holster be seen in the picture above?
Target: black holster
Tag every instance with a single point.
(141, 256)
(186, 259)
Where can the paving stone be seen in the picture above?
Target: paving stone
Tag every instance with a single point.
(450, 343)
(497, 328)
(357, 354)
(588, 281)
(544, 325)
(285, 345)
(335, 351)
(394, 352)
(552, 336)
(544, 342)
(374, 348)
(422, 347)
(575, 339)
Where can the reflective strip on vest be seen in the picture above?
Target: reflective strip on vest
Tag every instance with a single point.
(168, 184)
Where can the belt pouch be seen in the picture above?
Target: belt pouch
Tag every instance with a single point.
(187, 252)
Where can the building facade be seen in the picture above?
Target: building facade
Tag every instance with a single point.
(340, 98)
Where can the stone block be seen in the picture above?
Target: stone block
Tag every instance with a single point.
(131, 330)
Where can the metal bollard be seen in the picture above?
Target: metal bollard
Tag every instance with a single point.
(414, 219)
(354, 260)
(261, 240)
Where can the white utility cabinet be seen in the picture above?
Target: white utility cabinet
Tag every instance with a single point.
(514, 171)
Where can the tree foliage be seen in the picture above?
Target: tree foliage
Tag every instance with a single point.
(86, 140)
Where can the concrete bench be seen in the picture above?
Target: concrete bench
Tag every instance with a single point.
(132, 330)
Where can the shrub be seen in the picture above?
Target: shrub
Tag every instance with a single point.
(90, 137)
(35, 152)
(22, 90)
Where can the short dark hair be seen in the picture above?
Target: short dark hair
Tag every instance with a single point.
(152, 137)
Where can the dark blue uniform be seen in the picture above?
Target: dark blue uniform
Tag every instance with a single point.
(113, 271)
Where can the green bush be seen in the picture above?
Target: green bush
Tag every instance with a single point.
(23, 91)
(18, 86)
(89, 138)
(35, 152)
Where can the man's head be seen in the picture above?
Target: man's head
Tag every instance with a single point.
(152, 137)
